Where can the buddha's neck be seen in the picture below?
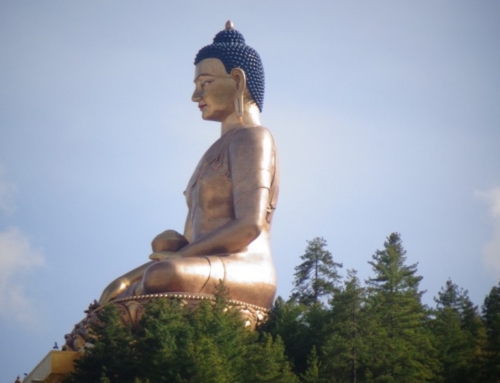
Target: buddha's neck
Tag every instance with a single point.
(251, 117)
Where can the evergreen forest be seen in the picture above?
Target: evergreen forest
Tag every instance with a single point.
(332, 328)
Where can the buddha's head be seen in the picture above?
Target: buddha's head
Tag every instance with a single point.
(229, 74)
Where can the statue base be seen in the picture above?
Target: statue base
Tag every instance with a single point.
(133, 308)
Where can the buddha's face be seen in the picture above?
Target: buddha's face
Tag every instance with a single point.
(215, 90)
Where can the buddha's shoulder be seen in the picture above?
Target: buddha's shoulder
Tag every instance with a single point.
(253, 134)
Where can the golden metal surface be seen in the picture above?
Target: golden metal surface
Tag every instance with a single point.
(53, 368)
(231, 197)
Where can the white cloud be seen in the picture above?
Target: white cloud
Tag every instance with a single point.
(17, 256)
(491, 251)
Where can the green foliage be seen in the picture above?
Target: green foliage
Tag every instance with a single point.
(178, 345)
(268, 363)
(450, 296)
(302, 328)
(312, 373)
(400, 344)
(345, 351)
(103, 361)
(286, 322)
(391, 274)
(317, 275)
(491, 317)
(459, 333)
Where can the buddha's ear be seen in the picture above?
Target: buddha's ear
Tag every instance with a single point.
(240, 78)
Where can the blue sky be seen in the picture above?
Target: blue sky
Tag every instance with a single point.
(386, 116)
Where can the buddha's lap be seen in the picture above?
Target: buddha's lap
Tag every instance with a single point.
(248, 280)
(194, 270)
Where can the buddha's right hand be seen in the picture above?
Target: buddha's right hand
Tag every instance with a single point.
(168, 241)
(162, 255)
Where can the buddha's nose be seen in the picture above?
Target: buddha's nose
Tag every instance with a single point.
(196, 97)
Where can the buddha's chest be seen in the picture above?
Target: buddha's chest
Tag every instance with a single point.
(210, 189)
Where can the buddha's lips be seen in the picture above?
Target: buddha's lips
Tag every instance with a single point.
(202, 106)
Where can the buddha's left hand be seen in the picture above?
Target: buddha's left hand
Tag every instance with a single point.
(162, 255)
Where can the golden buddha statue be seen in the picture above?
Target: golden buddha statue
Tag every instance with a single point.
(231, 195)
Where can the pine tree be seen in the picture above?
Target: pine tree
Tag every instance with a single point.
(267, 363)
(318, 326)
(165, 339)
(491, 317)
(345, 351)
(400, 345)
(458, 330)
(317, 276)
(103, 361)
(220, 342)
(311, 375)
(286, 321)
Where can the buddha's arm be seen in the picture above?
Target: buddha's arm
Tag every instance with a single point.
(251, 166)
(231, 237)
(236, 234)
(188, 229)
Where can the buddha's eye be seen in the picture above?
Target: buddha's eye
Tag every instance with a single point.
(205, 83)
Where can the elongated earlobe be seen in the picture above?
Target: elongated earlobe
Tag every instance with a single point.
(241, 81)
(239, 108)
